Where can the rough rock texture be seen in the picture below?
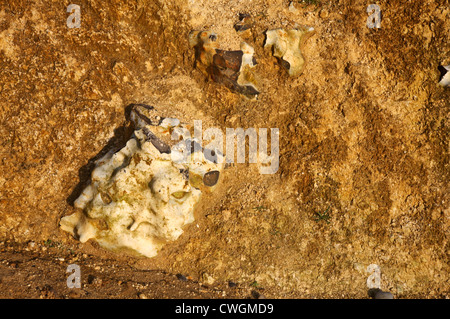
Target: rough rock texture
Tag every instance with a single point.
(364, 133)
(142, 195)
(286, 45)
(230, 68)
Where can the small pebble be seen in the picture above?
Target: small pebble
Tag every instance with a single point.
(256, 295)
(211, 178)
(231, 284)
(181, 277)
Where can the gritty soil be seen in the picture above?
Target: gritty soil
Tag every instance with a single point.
(39, 271)
(364, 137)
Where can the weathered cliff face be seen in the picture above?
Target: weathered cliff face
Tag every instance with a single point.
(364, 136)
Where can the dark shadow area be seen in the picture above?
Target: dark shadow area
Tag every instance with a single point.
(442, 72)
(121, 135)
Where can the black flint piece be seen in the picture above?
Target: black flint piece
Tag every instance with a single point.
(211, 178)
(160, 145)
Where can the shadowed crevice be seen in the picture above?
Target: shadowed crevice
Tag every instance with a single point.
(121, 136)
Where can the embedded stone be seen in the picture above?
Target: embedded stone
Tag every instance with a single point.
(287, 46)
(142, 196)
(232, 69)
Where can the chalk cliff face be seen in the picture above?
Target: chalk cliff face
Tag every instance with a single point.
(364, 132)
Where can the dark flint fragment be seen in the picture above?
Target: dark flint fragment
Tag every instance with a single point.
(160, 145)
(225, 67)
(225, 70)
(154, 122)
(211, 178)
(181, 277)
(228, 59)
(244, 22)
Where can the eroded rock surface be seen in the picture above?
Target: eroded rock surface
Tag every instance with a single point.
(141, 196)
(364, 135)
(286, 46)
